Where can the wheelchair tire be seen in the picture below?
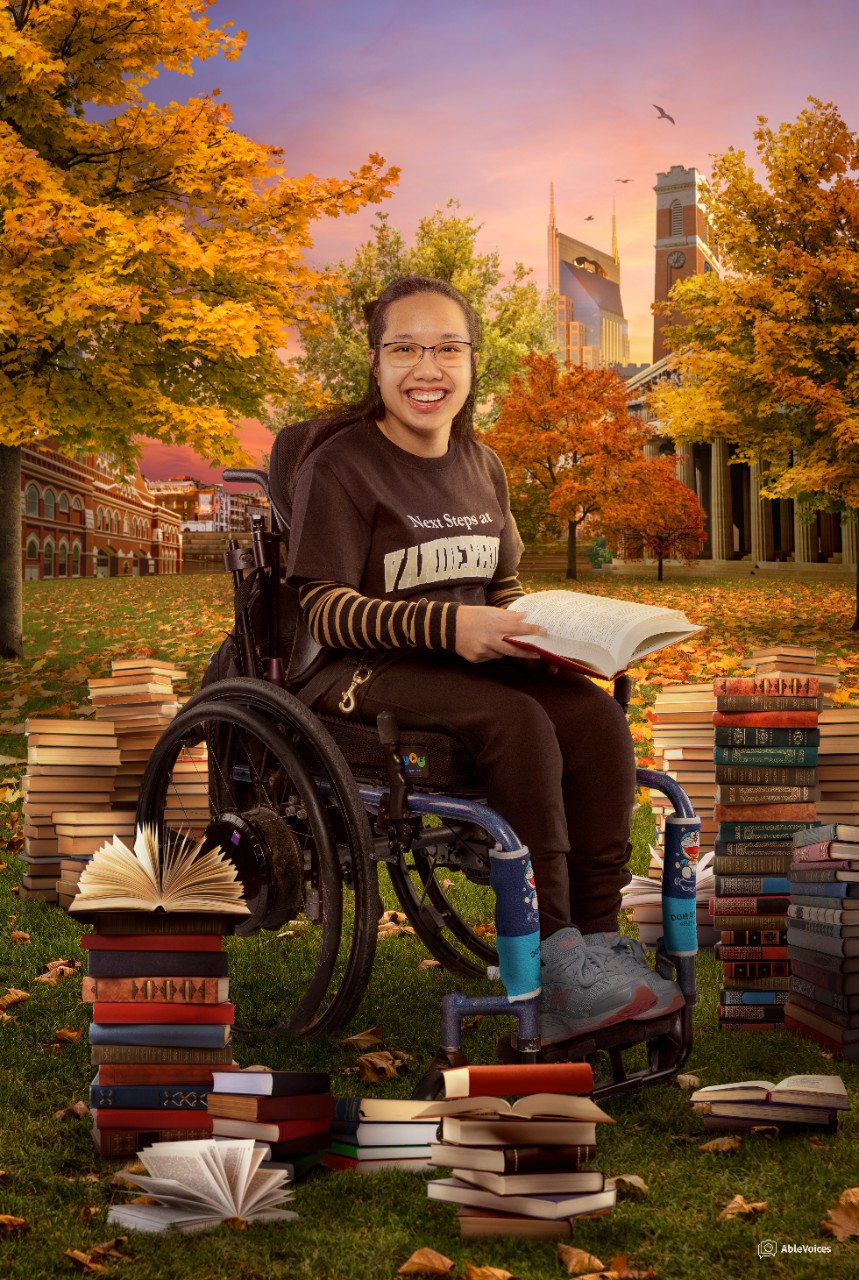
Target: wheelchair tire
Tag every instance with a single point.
(275, 793)
(435, 919)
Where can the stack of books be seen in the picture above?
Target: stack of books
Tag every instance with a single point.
(287, 1112)
(159, 986)
(186, 804)
(518, 1169)
(839, 765)
(823, 938)
(766, 740)
(793, 662)
(643, 896)
(69, 762)
(371, 1134)
(682, 719)
(79, 834)
(796, 1102)
(138, 698)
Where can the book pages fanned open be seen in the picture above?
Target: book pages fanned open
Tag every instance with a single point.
(178, 875)
(595, 634)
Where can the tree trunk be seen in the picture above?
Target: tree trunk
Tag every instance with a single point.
(11, 639)
(855, 623)
(571, 549)
(659, 569)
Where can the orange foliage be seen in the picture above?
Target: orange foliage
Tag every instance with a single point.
(655, 512)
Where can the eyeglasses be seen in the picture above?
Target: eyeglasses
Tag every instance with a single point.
(402, 355)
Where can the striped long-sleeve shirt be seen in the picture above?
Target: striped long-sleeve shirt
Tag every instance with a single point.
(340, 617)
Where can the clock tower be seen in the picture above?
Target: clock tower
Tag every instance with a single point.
(683, 246)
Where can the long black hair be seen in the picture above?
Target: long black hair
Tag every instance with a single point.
(372, 407)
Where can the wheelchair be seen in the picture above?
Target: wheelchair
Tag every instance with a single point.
(307, 806)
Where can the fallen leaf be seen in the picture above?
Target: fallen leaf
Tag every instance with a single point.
(486, 1273)
(379, 1066)
(428, 963)
(471, 1024)
(393, 917)
(89, 1211)
(816, 1142)
(363, 1039)
(688, 1081)
(83, 1261)
(67, 1035)
(109, 1248)
(739, 1207)
(446, 884)
(578, 1261)
(629, 1186)
(236, 1224)
(723, 1146)
(14, 995)
(18, 935)
(844, 1218)
(766, 1130)
(8, 1223)
(76, 1111)
(425, 1262)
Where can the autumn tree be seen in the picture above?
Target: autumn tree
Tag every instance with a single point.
(768, 354)
(331, 369)
(566, 441)
(654, 512)
(152, 257)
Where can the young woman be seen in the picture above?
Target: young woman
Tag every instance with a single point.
(404, 551)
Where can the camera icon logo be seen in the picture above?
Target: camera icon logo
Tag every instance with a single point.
(767, 1248)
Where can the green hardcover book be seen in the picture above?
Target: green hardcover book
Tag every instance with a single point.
(778, 757)
(760, 830)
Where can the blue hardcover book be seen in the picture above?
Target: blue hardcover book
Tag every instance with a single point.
(752, 997)
(727, 886)
(833, 831)
(804, 892)
(172, 1035)
(157, 1097)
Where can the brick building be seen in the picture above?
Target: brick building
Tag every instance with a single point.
(208, 508)
(81, 520)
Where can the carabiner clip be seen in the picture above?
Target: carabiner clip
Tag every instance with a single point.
(347, 703)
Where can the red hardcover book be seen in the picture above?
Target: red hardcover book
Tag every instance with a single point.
(119, 1144)
(506, 1080)
(281, 1131)
(152, 942)
(727, 951)
(826, 849)
(765, 812)
(767, 719)
(142, 1118)
(846, 984)
(143, 1073)
(109, 1012)
(768, 686)
(768, 904)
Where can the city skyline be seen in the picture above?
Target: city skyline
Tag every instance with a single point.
(488, 103)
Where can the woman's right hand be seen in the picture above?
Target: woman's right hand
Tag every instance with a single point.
(481, 628)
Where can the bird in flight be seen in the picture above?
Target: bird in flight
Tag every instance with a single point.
(624, 179)
(663, 114)
(589, 218)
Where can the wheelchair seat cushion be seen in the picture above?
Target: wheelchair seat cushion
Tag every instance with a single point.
(433, 761)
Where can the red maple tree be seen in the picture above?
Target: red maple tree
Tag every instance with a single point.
(655, 514)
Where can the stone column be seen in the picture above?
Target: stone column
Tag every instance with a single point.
(762, 523)
(805, 534)
(849, 539)
(721, 522)
(686, 466)
(651, 448)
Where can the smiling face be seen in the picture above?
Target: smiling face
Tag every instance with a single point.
(422, 402)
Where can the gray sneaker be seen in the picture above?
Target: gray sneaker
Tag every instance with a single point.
(624, 957)
(582, 989)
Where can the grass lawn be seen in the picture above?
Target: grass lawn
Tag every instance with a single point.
(359, 1228)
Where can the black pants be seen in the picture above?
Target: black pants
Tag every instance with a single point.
(558, 760)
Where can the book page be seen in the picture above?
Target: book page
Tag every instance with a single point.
(593, 619)
(190, 1170)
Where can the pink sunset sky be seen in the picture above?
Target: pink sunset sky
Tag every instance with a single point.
(489, 101)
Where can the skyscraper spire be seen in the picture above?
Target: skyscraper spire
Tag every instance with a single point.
(614, 252)
(554, 279)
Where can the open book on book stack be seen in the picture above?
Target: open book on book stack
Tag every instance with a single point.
(158, 982)
(796, 1100)
(522, 1162)
(596, 634)
(198, 1185)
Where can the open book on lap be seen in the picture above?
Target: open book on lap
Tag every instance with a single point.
(597, 635)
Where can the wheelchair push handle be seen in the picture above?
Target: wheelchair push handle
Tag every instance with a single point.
(237, 475)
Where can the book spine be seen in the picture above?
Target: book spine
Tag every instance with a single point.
(767, 686)
(147, 990)
(840, 1017)
(810, 893)
(765, 719)
(832, 979)
(117, 1012)
(149, 964)
(732, 702)
(759, 863)
(727, 886)
(723, 848)
(727, 951)
(727, 1025)
(804, 949)
(753, 937)
(823, 995)
(749, 735)
(506, 1080)
(177, 1097)
(115, 1143)
(743, 999)
(765, 776)
(734, 793)
(761, 757)
(774, 904)
(751, 1012)
(140, 1117)
(832, 831)
(817, 852)
(347, 1111)
(759, 984)
(159, 1035)
(732, 831)
(756, 814)
(824, 915)
(135, 1074)
(817, 934)
(161, 1055)
(748, 922)
(756, 969)
(152, 942)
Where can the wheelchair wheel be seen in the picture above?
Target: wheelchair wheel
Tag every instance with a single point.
(434, 917)
(247, 767)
